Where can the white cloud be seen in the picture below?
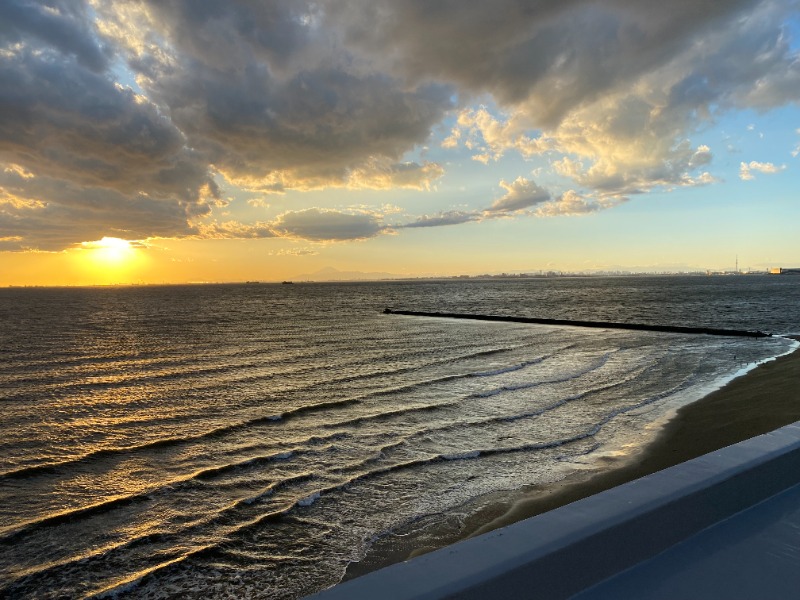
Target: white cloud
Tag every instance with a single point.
(746, 169)
(295, 252)
(381, 174)
(452, 140)
(492, 137)
(234, 230)
(258, 203)
(571, 203)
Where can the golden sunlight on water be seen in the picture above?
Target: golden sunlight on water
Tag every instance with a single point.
(252, 440)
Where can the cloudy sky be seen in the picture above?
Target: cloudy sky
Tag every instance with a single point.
(261, 140)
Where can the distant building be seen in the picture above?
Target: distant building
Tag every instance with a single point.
(782, 271)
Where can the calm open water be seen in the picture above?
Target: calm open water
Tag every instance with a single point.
(248, 441)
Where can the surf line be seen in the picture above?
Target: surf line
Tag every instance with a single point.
(574, 323)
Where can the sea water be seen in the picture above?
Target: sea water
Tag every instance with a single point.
(249, 441)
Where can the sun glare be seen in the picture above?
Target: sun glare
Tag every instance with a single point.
(110, 260)
(110, 250)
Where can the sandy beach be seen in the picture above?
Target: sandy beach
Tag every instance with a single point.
(763, 400)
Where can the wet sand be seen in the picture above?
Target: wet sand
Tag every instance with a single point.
(763, 400)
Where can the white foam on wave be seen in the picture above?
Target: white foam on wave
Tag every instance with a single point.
(309, 500)
(687, 393)
(725, 380)
(524, 386)
(510, 369)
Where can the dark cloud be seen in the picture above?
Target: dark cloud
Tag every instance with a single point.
(321, 225)
(314, 127)
(618, 84)
(65, 121)
(51, 214)
(297, 94)
(81, 156)
(550, 55)
(313, 224)
(520, 193)
(269, 94)
(63, 26)
(451, 217)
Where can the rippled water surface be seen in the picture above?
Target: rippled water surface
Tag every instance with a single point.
(251, 440)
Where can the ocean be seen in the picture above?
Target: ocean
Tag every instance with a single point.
(250, 440)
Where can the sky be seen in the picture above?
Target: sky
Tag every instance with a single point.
(173, 141)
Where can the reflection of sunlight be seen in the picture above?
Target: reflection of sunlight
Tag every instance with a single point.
(110, 259)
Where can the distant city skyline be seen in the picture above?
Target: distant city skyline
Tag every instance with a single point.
(187, 141)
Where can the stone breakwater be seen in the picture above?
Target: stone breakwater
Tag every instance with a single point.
(578, 323)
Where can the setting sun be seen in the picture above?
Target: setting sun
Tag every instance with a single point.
(535, 249)
(110, 250)
(110, 260)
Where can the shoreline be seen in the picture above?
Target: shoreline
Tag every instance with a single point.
(762, 400)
